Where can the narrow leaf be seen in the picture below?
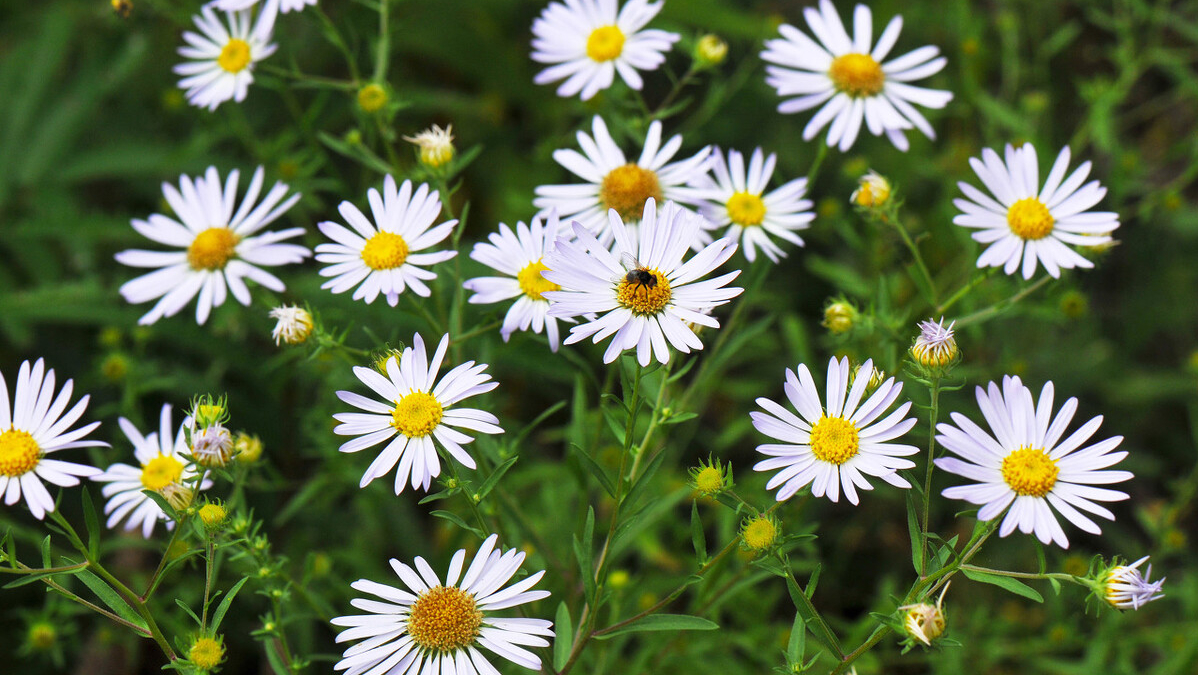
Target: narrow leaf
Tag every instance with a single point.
(698, 537)
(93, 525)
(456, 520)
(660, 622)
(597, 471)
(111, 598)
(563, 636)
(1006, 583)
(493, 479)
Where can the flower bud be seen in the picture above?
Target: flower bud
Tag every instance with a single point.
(935, 347)
(372, 98)
(840, 316)
(711, 477)
(710, 51)
(759, 533)
(212, 446)
(247, 448)
(206, 653)
(294, 324)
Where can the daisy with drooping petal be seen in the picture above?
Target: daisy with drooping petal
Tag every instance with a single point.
(589, 43)
(381, 256)
(285, 6)
(33, 427)
(163, 468)
(1022, 463)
(220, 249)
(850, 80)
(521, 256)
(736, 198)
(1127, 588)
(647, 307)
(223, 58)
(834, 448)
(615, 183)
(1023, 222)
(416, 409)
(434, 628)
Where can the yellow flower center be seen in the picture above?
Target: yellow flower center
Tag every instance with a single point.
(213, 514)
(532, 283)
(834, 440)
(1030, 472)
(417, 414)
(19, 453)
(372, 98)
(206, 653)
(384, 251)
(1029, 219)
(746, 209)
(643, 298)
(709, 480)
(235, 56)
(605, 43)
(760, 534)
(445, 619)
(924, 623)
(627, 188)
(212, 249)
(857, 75)
(160, 472)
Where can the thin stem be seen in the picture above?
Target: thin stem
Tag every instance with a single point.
(1002, 305)
(927, 483)
(478, 331)
(384, 52)
(339, 42)
(963, 291)
(893, 219)
(1059, 576)
(674, 92)
(820, 154)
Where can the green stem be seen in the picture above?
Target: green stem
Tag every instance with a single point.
(478, 331)
(1059, 576)
(339, 42)
(927, 483)
(987, 313)
(674, 92)
(820, 154)
(384, 52)
(963, 291)
(892, 219)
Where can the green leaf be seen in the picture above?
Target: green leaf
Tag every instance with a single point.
(660, 622)
(914, 533)
(679, 418)
(456, 520)
(819, 629)
(583, 554)
(219, 615)
(563, 636)
(111, 598)
(46, 552)
(163, 504)
(596, 470)
(518, 439)
(797, 644)
(187, 609)
(93, 525)
(1006, 583)
(493, 479)
(698, 537)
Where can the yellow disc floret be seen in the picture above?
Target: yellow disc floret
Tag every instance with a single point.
(19, 453)
(746, 209)
(709, 480)
(627, 188)
(206, 653)
(160, 472)
(417, 414)
(445, 619)
(234, 56)
(532, 283)
(385, 251)
(212, 249)
(834, 440)
(759, 533)
(1030, 472)
(605, 43)
(1029, 219)
(642, 298)
(857, 75)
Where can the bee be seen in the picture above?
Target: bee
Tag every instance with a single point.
(638, 275)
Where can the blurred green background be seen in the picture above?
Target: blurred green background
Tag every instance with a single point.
(91, 123)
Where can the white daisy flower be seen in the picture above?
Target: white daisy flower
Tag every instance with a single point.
(1126, 588)
(284, 6)
(735, 198)
(589, 44)
(1023, 463)
(381, 256)
(851, 81)
(834, 447)
(33, 427)
(519, 255)
(615, 183)
(223, 58)
(220, 249)
(646, 294)
(1030, 225)
(163, 467)
(416, 409)
(430, 628)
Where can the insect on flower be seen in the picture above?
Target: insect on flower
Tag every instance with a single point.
(638, 275)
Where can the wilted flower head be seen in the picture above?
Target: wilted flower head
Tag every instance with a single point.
(872, 191)
(212, 446)
(1125, 588)
(436, 145)
(294, 324)
(924, 622)
(935, 347)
